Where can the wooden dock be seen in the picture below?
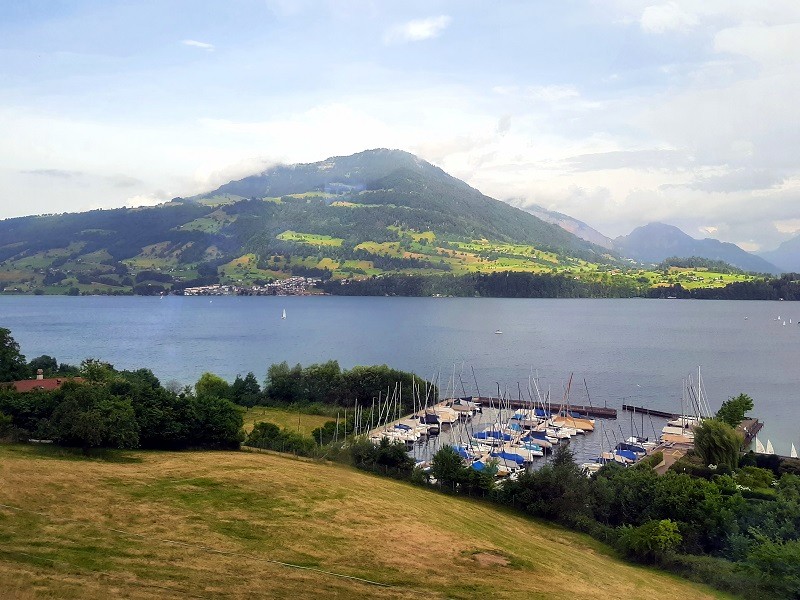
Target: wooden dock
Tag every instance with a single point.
(749, 428)
(649, 411)
(593, 411)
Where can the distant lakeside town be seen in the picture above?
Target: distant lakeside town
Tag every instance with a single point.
(293, 286)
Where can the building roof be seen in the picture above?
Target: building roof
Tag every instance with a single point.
(47, 385)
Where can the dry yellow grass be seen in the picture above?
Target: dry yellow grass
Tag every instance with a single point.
(206, 525)
(300, 422)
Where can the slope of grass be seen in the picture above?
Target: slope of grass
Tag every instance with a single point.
(300, 422)
(213, 525)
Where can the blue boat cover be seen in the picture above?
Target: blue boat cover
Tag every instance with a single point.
(461, 451)
(509, 456)
(632, 447)
(627, 454)
(497, 435)
(478, 465)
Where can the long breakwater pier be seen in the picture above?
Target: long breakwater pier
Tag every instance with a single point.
(649, 411)
(602, 412)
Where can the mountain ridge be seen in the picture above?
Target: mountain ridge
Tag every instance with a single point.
(786, 256)
(655, 242)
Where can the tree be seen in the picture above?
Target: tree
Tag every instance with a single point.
(5, 425)
(12, 364)
(96, 371)
(216, 423)
(89, 416)
(734, 409)
(650, 541)
(47, 364)
(211, 385)
(246, 392)
(717, 443)
(447, 467)
(777, 566)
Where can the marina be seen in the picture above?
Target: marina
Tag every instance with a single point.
(510, 436)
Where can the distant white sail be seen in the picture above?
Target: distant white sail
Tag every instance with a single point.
(283, 316)
(793, 453)
(770, 449)
(759, 446)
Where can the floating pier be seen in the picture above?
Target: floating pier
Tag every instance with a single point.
(592, 411)
(649, 411)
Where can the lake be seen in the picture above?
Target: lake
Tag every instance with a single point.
(635, 351)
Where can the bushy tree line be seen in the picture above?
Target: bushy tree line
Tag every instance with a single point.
(122, 409)
(697, 262)
(507, 284)
(328, 384)
(785, 287)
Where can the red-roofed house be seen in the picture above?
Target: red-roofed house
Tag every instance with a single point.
(40, 383)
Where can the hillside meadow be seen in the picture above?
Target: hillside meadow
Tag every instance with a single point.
(220, 525)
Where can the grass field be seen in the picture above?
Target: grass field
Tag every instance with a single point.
(258, 525)
(310, 238)
(288, 419)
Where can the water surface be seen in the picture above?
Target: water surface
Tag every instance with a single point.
(635, 351)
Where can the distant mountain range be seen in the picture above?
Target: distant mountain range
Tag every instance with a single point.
(574, 226)
(656, 242)
(786, 256)
(371, 214)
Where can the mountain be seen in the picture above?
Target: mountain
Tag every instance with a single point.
(574, 226)
(375, 212)
(786, 256)
(656, 242)
(392, 179)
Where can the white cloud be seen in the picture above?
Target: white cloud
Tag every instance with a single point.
(708, 230)
(666, 17)
(417, 30)
(542, 93)
(790, 226)
(749, 246)
(196, 44)
(769, 45)
(150, 199)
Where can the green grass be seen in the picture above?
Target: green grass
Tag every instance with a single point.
(212, 223)
(310, 238)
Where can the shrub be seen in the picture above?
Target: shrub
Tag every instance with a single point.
(651, 541)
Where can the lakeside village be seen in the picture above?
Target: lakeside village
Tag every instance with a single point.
(292, 286)
(507, 436)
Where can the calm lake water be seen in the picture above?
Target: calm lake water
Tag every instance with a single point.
(634, 351)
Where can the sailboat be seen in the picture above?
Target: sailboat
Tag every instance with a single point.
(283, 316)
(770, 449)
(759, 446)
(793, 452)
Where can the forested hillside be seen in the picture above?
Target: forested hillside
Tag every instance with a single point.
(372, 214)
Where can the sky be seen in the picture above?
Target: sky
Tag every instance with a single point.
(615, 112)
